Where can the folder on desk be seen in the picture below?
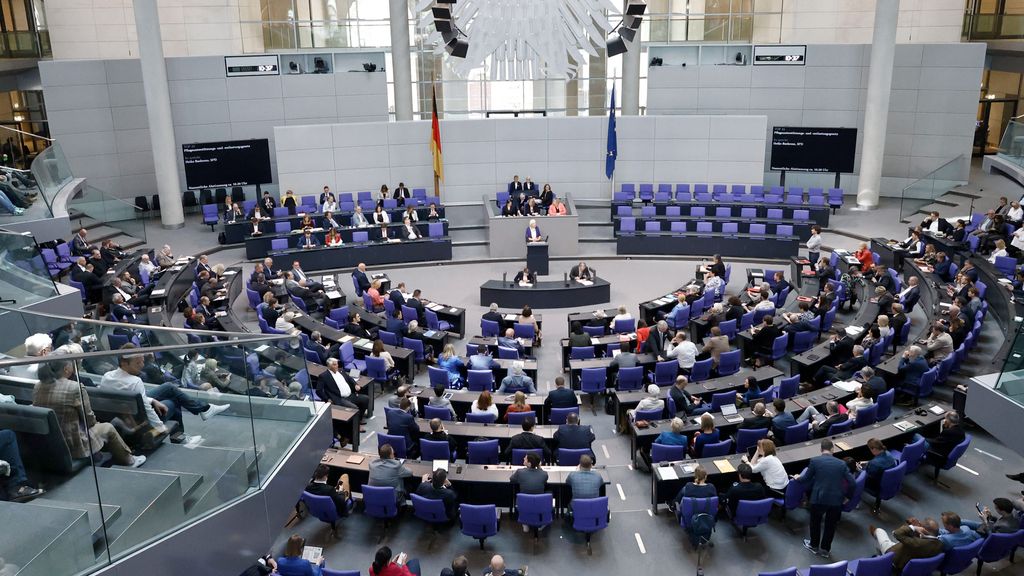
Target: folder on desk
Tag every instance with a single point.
(668, 473)
(510, 317)
(355, 459)
(724, 466)
(843, 445)
(594, 341)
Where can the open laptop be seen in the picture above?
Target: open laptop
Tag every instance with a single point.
(730, 414)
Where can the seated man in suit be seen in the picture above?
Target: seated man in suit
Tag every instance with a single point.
(308, 240)
(515, 186)
(492, 314)
(844, 370)
(339, 493)
(820, 423)
(883, 278)
(481, 360)
(560, 397)
(359, 219)
(580, 272)
(439, 434)
(355, 327)
(401, 422)
(911, 294)
(121, 311)
(395, 324)
(397, 295)
(757, 419)
(950, 435)
(339, 388)
(82, 272)
(867, 377)
(389, 471)
(574, 436)
(509, 341)
(324, 350)
(79, 245)
(417, 304)
(299, 275)
(99, 265)
(436, 486)
(527, 440)
(942, 267)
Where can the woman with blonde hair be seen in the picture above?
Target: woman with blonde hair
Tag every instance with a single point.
(707, 434)
(518, 405)
(526, 317)
(451, 363)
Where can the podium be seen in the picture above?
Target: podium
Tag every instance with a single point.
(537, 257)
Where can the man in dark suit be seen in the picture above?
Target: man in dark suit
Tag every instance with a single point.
(203, 265)
(362, 280)
(435, 486)
(83, 273)
(121, 311)
(339, 493)
(355, 327)
(950, 435)
(826, 476)
(685, 403)
(580, 272)
(525, 275)
(492, 314)
(873, 381)
(79, 245)
(765, 335)
(397, 295)
(560, 397)
(942, 267)
(271, 312)
(299, 275)
(338, 388)
(898, 318)
(509, 341)
(401, 194)
(911, 294)
(416, 304)
(515, 186)
(658, 340)
(401, 423)
(843, 371)
(575, 436)
(99, 265)
(268, 203)
(530, 187)
(527, 440)
(757, 419)
(439, 434)
(395, 324)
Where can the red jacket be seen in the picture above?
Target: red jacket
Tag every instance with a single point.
(392, 569)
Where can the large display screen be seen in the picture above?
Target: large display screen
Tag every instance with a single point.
(802, 149)
(226, 164)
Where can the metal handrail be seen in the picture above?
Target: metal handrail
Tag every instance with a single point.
(26, 133)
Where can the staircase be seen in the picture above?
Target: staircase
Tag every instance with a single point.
(954, 203)
(99, 232)
(597, 233)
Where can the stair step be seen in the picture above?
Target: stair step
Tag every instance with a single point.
(964, 193)
(80, 220)
(470, 252)
(99, 233)
(127, 242)
(596, 223)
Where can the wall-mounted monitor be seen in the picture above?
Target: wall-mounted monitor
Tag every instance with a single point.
(803, 149)
(226, 164)
(780, 55)
(261, 65)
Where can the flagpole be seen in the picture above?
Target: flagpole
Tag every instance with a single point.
(437, 180)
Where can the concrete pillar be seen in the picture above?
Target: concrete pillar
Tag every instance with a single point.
(158, 111)
(876, 112)
(631, 76)
(401, 67)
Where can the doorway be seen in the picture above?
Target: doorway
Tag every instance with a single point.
(994, 114)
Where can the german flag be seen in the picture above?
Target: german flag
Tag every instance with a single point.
(435, 138)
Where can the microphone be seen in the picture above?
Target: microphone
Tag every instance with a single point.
(565, 278)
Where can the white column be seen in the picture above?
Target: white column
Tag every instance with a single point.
(631, 76)
(158, 111)
(401, 67)
(876, 112)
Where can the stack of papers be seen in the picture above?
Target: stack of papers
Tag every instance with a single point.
(312, 554)
(724, 466)
(903, 426)
(584, 282)
(668, 473)
(847, 386)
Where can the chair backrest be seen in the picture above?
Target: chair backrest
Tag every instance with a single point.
(435, 450)
(796, 433)
(429, 510)
(526, 331)
(482, 451)
(625, 326)
(720, 399)
(516, 418)
(589, 514)
(667, 453)
(396, 442)
(379, 501)
(665, 372)
(866, 416)
(559, 415)
(716, 449)
(833, 569)
(923, 566)
(960, 558)
(480, 380)
(321, 507)
(630, 378)
(481, 418)
(654, 414)
(439, 412)
(488, 327)
(998, 546)
(745, 438)
(701, 370)
(571, 457)
(840, 427)
(594, 331)
(438, 376)
(788, 387)
(787, 572)
(751, 513)
(535, 510)
(892, 480)
(690, 506)
(581, 352)
(729, 363)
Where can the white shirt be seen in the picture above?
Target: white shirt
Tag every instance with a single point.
(330, 207)
(120, 380)
(772, 471)
(997, 254)
(149, 267)
(686, 353)
(814, 244)
(413, 216)
(492, 409)
(714, 284)
(858, 403)
(343, 386)
(934, 226)
(381, 218)
(617, 317)
(765, 305)
(534, 232)
(1018, 239)
(1015, 214)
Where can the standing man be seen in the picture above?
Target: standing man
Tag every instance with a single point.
(825, 475)
(362, 280)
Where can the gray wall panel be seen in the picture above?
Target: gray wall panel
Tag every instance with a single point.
(932, 103)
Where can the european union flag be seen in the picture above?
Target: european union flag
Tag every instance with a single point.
(613, 141)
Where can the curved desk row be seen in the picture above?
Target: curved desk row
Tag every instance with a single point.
(801, 228)
(258, 246)
(706, 243)
(239, 230)
(666, 480)
(544, 294)
(350, 255)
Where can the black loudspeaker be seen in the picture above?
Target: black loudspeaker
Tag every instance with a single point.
(443, 25)
(441, 13)
(458, 48)
(615, 46)
(636, 8)
(632, 22)
(627, 33)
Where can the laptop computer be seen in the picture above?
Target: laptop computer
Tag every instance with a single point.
(730, 414)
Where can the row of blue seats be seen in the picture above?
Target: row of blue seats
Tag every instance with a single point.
(628, 225)
(650, 211)
(309, 206)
